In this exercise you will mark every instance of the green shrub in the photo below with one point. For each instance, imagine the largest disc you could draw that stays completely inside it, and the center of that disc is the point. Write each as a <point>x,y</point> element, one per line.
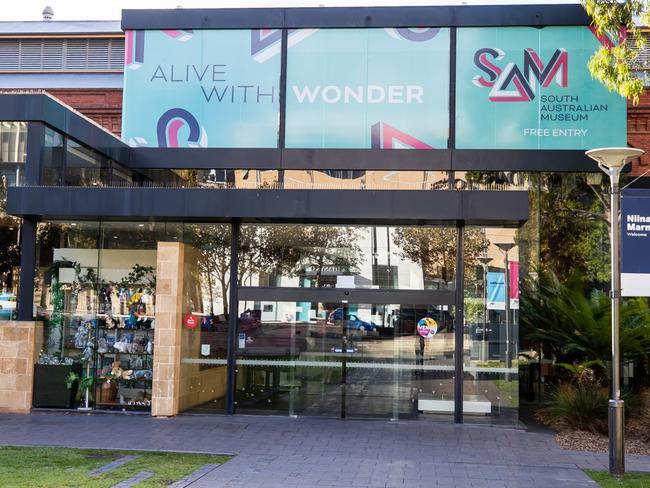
<point>577,406</point>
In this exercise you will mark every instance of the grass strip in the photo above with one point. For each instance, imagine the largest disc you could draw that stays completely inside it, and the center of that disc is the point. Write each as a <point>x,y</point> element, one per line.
<point>55,467</point>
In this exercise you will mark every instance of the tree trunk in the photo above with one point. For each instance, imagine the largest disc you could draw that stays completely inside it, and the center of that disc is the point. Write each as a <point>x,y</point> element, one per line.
<point>210,292</point>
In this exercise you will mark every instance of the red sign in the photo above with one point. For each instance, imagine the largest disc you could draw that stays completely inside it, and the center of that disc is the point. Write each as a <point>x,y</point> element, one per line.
<point>190,321</point>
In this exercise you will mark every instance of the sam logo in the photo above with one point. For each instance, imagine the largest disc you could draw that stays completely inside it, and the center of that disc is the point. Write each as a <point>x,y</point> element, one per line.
<point>514,84</point>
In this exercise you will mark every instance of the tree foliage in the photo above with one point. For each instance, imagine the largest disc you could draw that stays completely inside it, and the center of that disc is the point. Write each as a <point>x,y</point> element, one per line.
<point>434,248</point>
<point>574,230</point>
<point>575,326</point>
<point>615,24</point>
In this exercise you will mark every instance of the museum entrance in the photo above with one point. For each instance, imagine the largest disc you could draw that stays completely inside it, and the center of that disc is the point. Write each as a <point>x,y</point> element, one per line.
<point>342,359</point>
<point>355,322</point>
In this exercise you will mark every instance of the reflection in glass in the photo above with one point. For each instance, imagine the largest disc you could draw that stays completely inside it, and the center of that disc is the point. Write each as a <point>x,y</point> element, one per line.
<point>206,283</point>
<point>491,381</point>
<point>84,167</point>
<point>321,256</point>
<point>52,162</point>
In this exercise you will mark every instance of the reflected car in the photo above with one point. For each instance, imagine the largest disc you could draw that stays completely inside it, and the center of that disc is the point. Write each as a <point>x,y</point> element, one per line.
<point>354,322</point>
<point>8,306</point>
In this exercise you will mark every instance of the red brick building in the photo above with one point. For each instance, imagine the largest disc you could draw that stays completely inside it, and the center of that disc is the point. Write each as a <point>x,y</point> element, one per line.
<point>638,132</point>
<point>79,62</point>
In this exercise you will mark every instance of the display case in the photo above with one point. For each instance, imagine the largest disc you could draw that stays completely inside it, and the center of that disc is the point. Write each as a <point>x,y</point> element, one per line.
<point>124,345</point>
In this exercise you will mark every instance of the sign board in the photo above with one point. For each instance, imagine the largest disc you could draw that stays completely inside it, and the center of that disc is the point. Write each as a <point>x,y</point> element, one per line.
<point>635,243</point>
<point>190,321</point>
<point>202,88</point>
<point>516,88</point>
<point>530,88</point>
<point>368,88</point>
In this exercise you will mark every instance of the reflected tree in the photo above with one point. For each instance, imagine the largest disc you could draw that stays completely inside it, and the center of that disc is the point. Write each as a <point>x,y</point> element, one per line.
<point>434,248</point>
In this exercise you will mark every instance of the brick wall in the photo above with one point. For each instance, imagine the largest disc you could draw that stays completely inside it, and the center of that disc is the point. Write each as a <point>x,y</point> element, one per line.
<point>104,106</point>
<point>638,132</point>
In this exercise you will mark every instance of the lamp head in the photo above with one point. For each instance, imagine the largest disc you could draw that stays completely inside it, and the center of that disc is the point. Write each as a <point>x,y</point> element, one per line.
<point>484,259</point>
<point>614,157</point>
<point>505,246</point>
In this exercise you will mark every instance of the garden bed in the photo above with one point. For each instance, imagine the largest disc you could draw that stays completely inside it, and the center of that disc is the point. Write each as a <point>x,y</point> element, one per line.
<point>637,439</point>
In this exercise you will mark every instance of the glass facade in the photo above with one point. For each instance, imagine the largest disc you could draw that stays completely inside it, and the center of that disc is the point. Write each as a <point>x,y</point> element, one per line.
<point>95,292</point>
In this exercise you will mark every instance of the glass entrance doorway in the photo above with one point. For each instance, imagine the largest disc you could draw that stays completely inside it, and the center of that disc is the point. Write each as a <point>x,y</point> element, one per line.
<point>345,359</point>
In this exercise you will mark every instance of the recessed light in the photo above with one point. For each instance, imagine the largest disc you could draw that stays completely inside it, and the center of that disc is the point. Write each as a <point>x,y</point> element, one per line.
<point>114,237</point>
<point>140,225</point>
<point>73,224</point>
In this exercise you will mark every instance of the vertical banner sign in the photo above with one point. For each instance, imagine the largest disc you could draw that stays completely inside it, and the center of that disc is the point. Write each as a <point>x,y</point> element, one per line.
<point>203,88</point>
<point>496,290</point>
<point>530,88</point>
<point>514,284</point>
<point>635,243</point>
<point>368,88</point>
<point>496,287</point>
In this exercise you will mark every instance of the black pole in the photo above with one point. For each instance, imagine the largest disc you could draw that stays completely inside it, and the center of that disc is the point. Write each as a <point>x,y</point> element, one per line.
<point>233,313</point>
<point>27,269</point>
<point>451,142</point>
<point>459,325</point>
<point>284,46</point>
<point>344,353</point>
<point>32,177</point>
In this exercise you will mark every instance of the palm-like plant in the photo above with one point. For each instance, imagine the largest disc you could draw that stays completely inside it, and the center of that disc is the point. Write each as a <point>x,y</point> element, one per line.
<point>575,326</point>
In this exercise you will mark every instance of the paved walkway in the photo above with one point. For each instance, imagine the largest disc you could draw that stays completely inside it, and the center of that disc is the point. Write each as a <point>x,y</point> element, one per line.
<point>307,452</point>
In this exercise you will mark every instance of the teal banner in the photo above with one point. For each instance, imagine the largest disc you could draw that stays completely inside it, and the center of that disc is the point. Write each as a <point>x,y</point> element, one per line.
<point>530,88</point>
<point>368,88</point>
<point>203,88</point>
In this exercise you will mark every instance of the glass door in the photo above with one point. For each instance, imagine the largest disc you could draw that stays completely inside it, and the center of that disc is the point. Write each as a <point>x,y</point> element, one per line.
<point>345,359</point>
<point>399,361</point>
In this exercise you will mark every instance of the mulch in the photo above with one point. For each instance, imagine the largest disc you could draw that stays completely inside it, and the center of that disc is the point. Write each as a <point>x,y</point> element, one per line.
<point>637,439</point>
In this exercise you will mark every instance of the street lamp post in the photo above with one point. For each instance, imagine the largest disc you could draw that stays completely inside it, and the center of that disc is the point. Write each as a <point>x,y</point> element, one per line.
<point>505,247</point>
<point>612,160</point>
<point>485,348</point>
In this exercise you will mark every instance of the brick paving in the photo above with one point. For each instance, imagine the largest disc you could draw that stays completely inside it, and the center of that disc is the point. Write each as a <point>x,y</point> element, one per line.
<point>310,452</point>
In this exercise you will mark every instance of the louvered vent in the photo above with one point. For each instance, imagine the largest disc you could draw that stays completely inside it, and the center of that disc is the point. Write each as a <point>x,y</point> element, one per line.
<point>61,54</point>
<point>642,61</point>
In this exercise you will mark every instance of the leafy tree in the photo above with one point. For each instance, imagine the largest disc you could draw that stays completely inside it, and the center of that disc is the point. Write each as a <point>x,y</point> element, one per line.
<point>615,22</point>
<point>434,248</point>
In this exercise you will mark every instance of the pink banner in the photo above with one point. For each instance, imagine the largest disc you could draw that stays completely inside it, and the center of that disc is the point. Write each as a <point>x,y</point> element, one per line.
<point>514,279</point>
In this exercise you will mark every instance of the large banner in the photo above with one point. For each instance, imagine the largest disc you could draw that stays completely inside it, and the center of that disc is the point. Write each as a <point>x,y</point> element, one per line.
<point>635,243</point>
<point>202,88</point>
<point>530,88</point>
<point>368,88</point>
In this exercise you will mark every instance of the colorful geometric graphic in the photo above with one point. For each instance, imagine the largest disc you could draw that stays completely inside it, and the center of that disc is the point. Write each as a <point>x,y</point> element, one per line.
<point>172,121</point>
<point>267,43</point>
<point>179,35</point>
<point>384,136</point>
<point>415,34</point>
<point>134,49</point>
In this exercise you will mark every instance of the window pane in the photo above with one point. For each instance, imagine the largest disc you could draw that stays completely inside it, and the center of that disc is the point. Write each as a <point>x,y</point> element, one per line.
<point>328,256</point>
